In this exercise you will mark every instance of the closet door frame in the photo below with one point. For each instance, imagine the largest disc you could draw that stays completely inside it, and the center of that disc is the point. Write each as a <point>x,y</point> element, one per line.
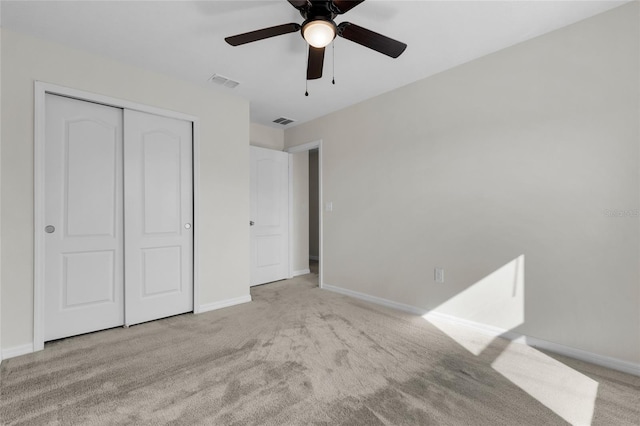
<point>40,91</point>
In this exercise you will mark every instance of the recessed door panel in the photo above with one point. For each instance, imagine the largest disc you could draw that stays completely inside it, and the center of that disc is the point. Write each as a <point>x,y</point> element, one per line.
<point>161,281</point>
<point>161,186</point>
<point>91,174</point>
<point>78,291</point>
<point>268,250</point>
<point>83,240</point>
<point>268,208</point>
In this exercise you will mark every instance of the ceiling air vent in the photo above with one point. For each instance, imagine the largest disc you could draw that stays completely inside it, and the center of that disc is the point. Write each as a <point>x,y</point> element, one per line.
<point>221,80</point>
<point>283,120</point>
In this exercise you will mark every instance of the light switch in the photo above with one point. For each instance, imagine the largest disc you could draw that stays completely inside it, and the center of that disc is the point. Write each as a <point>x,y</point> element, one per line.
<point>328,207</point>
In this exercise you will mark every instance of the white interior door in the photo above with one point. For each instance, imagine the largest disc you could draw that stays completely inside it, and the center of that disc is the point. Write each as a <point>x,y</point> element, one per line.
<point>269,215</point>
<point>83,212</point>
<point>159,217</point>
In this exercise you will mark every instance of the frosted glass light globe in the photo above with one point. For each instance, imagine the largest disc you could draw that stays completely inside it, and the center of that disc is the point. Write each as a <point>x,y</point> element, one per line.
<point>319,33</point>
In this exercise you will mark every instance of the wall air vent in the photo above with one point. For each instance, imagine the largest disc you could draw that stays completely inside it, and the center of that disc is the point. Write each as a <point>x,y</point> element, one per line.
<point>283,120</point>
<point>221,80</point>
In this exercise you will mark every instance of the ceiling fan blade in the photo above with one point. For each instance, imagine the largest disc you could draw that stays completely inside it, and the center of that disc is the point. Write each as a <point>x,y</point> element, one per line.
<point>344,6</point>
<point>315,63</point>
<point>252,36</point>
<point>298,4</point>
<point>370,39</point>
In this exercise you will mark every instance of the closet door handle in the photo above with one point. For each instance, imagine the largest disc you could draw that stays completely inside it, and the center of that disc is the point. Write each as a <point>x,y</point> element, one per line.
<point>187,226</point>
<point>49,229</point>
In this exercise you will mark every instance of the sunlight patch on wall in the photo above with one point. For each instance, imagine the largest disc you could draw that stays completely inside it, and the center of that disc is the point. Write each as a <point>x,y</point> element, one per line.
<point>496,302</point>
<point>477,316</point>
<point>566,392</point>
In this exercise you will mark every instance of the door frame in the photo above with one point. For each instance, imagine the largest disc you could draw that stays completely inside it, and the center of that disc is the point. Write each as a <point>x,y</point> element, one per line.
<point>41,89</point>
<point>293,150</point>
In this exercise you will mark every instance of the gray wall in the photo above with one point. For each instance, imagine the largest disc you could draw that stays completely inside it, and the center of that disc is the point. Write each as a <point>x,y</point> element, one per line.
<point>266,137</point>
<point>300,210</point>
<point>314,225</point>
<point>516,157</point>
<point>224,167</point>
<point>0,196</point>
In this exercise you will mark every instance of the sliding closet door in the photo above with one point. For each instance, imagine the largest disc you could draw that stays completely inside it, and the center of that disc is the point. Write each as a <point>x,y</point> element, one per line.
<point>83,238</point>
<point>159,217</point>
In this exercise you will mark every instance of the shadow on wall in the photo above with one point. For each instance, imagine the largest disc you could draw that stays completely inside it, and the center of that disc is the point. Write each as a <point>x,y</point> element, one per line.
<point>498,301</point>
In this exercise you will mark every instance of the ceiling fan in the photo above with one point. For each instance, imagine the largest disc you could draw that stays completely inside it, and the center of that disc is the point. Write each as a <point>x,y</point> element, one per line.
<point>319,29</point>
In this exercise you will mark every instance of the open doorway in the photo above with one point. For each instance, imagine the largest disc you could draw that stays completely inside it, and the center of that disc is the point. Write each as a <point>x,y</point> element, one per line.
<point>313,151</point>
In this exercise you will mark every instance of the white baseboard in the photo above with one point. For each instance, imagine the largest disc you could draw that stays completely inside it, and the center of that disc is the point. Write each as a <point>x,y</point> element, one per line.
<point>487,329</point>
<point>301,272</point>
<point>373,299</point>
<point>593,358</point>
<point>314,258</point>
<point>17,351</point>
<point>579,354</point>
<point>27,349</point>
<point>223,304</point>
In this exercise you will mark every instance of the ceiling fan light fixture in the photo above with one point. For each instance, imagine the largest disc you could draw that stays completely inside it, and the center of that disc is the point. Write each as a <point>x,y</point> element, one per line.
<point>319,33</point>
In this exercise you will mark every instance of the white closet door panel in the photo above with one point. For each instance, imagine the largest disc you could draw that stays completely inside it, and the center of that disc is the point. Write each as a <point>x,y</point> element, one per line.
<point>83,208</point>
<point>269,203</point>
<point>159,217</point>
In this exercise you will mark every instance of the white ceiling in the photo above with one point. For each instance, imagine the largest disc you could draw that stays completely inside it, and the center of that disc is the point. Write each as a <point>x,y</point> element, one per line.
<point>186,39</point>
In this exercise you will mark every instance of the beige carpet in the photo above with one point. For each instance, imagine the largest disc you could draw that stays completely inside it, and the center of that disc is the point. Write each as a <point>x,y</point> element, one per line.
<point>299,355</point>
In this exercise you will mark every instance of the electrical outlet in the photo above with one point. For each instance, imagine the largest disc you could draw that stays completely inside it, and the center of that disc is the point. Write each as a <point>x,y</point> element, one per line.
<point>438,275</point>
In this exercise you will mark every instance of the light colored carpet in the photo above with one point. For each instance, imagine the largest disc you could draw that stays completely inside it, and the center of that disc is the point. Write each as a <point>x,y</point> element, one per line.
<point>299,355</point>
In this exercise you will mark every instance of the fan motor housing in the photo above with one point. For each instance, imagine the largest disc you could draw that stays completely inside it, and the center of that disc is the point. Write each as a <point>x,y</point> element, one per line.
<point>319,10</point>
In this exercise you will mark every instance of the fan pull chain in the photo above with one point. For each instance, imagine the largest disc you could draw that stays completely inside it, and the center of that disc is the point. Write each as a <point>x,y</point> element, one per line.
<point>306,80</point>
<point>333,61</point>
